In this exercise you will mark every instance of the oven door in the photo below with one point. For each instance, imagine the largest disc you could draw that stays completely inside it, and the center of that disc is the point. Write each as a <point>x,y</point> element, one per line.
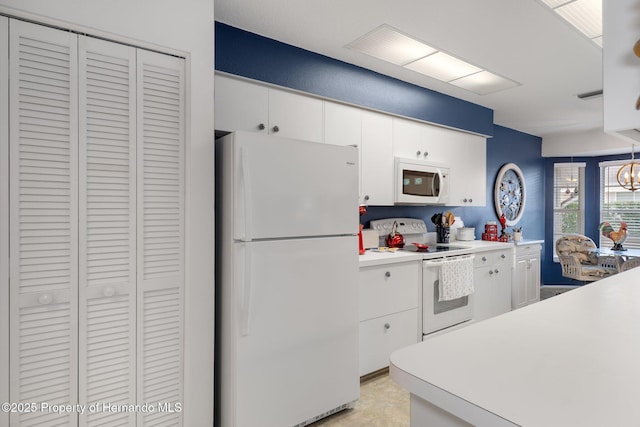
<point>438,315</point>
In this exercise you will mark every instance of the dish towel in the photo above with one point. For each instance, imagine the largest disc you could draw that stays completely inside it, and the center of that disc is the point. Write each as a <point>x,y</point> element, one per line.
<point>456,278</point>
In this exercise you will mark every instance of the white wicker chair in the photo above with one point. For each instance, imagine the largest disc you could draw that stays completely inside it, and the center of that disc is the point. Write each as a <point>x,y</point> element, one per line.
<point>630,263</point>
<point>579,262</point>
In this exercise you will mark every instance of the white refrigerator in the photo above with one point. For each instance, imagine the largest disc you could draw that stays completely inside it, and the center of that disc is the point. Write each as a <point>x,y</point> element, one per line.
<point>286,280</point>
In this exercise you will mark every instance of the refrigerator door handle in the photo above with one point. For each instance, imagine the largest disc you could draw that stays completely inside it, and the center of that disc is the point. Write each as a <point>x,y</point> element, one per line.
<point>243,273</point>
<point>244,199</point>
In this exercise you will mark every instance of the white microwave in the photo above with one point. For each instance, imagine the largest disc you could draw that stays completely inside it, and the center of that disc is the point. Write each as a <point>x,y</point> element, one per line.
<point>420,183</point>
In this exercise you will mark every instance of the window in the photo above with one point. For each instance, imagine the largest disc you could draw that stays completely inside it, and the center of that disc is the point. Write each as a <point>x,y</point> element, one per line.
<point>568,200</point>
<point>618,205</point>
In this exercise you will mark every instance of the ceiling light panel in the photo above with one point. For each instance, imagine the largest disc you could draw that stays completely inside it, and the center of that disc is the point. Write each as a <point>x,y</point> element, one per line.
<point>443,67</point>
<point>484,82</point>
<point>389,44</point>
<point>585,15</point>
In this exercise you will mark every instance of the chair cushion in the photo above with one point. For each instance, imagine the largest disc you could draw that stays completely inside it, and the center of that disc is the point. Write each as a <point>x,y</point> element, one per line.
<point>596,271</point>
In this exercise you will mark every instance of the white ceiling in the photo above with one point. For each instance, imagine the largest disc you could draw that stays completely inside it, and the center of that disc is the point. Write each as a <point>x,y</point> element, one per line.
<point>522,40</point>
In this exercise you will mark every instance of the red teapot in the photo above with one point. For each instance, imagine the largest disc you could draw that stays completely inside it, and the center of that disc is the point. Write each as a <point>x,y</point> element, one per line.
<point>395,239</point>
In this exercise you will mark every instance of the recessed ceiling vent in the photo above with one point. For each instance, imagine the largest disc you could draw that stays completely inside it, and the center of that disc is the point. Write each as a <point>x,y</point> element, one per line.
<point>590,95</point>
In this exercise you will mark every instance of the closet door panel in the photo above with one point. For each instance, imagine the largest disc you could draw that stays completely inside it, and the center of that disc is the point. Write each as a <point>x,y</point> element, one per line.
<point>43,220</point>
<point>4,216</point>
<point>160,84</point>
<point>107,229</point>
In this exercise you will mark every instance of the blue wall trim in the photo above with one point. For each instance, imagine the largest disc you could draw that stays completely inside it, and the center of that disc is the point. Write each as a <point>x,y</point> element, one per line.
<point>249,55</point>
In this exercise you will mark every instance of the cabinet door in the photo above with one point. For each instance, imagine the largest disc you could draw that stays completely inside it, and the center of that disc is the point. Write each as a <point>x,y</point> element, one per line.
<point>44,215</point>
<point>414,140</point>
<point>532,289</point>
<point>467,186</point>
<point>520,279</point>
<point>343,126</point>
<point>4,216</point>
<point>492,283</point>
<point>240,105</point>
<point>382,336</point>
<point>295,116</point>
<point>107,229</point>
<point>377,159</point>
<point>160,229</point>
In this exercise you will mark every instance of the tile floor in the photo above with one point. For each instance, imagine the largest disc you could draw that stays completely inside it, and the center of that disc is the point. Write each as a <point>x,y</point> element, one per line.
<point>382,403</point>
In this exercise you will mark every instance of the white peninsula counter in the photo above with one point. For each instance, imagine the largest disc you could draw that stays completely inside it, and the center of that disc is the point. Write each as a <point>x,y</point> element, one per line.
<point>571,360</point>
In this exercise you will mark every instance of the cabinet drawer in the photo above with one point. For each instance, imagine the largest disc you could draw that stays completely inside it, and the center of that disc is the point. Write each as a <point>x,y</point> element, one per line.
<point>382,336</point>
<point>528,250</point>
<point>493,257</point>
<point>389,289</point>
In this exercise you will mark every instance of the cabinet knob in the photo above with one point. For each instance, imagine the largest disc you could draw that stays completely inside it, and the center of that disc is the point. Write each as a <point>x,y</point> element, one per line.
<point>484,259</point>
<point>387,326</point>
<point>503,256</point>
<point>387,274</point>
<point>45,299</point>
<point>425,154</point>
<point>275,129</point>
<point>366,197</point>
<point>418,153</point>
<point>470,200</point>
<point>261,126</point>
<point>464,200</point>
<point>496,271</point>
<point>490,272</point>
<point>109,291</point>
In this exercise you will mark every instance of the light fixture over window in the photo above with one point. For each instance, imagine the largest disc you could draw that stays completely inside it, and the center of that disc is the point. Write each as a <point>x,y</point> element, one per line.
<point>391,45</point>
<point>629,174</point>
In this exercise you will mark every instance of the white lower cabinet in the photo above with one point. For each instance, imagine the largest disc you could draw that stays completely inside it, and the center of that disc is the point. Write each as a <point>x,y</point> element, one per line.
<point>96,228</point>
<point>526,278</point>
<point>492,283</point>
<point>389,299</point>
<point>381,336</point>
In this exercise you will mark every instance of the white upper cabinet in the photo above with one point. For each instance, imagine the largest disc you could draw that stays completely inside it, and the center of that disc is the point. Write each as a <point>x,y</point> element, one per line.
<point>242,105</point>
<point>463,153</point>
<point>377,159</point>
<point>343,126</point>
<point>295,116</point>
<point>415,140</point>
<point>468,169</point>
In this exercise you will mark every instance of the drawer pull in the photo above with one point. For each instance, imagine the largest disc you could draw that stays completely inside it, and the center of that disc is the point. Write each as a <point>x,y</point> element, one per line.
<point>387,274</point>
<point>387,326</point>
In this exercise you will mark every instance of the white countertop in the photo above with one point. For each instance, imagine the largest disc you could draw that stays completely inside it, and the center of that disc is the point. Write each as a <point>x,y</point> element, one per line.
<point>372,257</point>
<point>570,360</point>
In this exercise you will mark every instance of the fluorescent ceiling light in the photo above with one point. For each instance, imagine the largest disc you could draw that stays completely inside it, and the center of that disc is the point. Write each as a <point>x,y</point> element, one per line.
<point>389,44</point>
<point>585,15</point>
<point>484,82</point>
<point>443,67</point>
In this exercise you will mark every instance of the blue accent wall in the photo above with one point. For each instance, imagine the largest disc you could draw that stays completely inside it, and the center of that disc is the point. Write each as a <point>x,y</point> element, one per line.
<point>245,54</point>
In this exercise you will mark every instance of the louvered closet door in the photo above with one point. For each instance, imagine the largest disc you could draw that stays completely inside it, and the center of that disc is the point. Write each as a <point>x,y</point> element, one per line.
<point>4,216</point>
<point>160,85</point>
<point>107,230</point>
<point>44,214</point>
